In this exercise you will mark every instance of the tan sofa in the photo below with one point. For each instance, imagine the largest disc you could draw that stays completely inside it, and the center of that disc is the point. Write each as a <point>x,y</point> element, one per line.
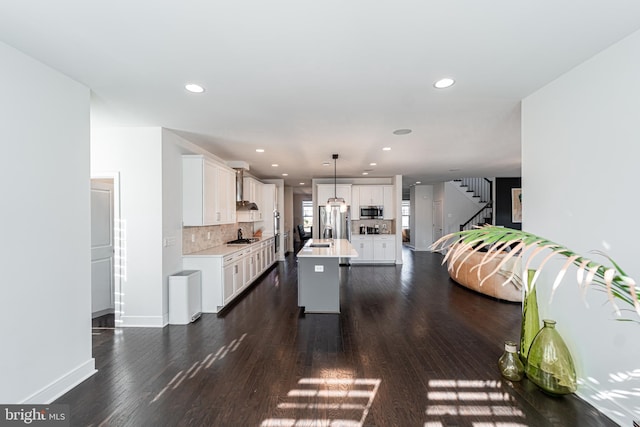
<point>511,291</point>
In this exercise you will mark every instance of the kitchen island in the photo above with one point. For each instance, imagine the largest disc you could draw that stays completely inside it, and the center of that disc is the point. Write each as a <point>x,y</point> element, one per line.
<point>319,274</point>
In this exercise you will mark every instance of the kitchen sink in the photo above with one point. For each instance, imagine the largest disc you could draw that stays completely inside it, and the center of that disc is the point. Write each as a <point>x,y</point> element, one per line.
<point>320,245</point>
<point>247,241</point>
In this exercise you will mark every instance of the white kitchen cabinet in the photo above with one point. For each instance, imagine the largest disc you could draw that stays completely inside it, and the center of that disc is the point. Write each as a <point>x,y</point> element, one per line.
<point>327,191</point>
<point>227,282</point>
<point>374,248</point>
<point>355,202</point>
<point>384,248</point>
<point>226,195</point>
<point>207,192</point>
<point>363,244</point>
<point>226,277</point>
<point>389,206</point>
<point>371,195</point>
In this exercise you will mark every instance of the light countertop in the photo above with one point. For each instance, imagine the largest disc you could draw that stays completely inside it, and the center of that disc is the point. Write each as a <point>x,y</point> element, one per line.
<point>339,248</point>
<point>224,250</point>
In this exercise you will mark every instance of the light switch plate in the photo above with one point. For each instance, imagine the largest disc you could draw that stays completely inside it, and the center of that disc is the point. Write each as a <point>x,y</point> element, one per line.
<point>318,268</point>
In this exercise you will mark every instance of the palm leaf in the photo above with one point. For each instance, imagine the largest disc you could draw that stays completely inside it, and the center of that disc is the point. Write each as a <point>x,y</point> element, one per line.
<point>610,279</point>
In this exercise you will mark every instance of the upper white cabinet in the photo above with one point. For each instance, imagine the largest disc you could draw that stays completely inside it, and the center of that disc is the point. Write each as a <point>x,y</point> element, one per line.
<point>327,191</point>
<point>268,208</point>
<point>207,192</point>
<point>389,211</point>
<point>373,195</point>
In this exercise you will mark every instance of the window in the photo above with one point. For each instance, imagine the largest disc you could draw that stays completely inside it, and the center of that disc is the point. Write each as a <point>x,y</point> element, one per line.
<point>405,214</point>
<point>307,215</point>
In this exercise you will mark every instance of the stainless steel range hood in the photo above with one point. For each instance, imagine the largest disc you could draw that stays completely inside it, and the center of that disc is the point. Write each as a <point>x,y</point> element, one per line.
<point>242,205</point>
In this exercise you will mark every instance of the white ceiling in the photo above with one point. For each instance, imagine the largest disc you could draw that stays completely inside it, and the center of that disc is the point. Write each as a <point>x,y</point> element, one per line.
<point>304,80</point>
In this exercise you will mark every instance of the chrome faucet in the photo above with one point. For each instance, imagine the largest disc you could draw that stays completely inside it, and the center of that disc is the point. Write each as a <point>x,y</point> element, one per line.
<point>239,233</point>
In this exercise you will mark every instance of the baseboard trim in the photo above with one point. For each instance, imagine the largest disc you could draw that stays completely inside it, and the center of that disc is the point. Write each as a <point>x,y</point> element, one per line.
<point>57,388</point>
<point>102,312</point>
<point>143,322</point>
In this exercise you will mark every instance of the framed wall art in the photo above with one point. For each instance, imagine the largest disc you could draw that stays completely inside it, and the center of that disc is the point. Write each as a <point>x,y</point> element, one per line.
<point>516,205</point>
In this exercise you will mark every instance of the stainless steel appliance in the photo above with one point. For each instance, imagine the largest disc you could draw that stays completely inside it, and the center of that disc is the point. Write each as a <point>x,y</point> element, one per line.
<point>336,222</point>
<point>276,230</point>
<point>371,212</point>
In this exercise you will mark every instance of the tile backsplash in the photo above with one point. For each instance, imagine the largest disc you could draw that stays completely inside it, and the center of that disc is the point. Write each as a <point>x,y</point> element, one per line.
<point>196,239</point>
<point>381,223</point>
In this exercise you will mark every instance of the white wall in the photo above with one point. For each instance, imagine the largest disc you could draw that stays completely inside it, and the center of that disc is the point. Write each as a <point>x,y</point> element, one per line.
<point>46,276</point>
<point>172,150</point>
<point>581,145</point>
<point>457,208</point>
<point>136,153</point>
<point>421,217</point>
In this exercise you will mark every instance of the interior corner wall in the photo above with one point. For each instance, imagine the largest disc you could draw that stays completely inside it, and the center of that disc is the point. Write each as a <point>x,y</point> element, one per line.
<point>45,187</point>
<point>580,150</point>
<point>136,153</point>
<point>502,204</point>
<point>288,224</point>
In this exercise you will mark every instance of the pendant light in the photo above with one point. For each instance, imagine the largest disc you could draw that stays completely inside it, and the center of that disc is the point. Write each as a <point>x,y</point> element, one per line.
<point>336,201</point>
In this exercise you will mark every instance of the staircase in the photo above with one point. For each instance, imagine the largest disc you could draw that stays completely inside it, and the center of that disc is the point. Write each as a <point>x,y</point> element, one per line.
<point>481,191</point>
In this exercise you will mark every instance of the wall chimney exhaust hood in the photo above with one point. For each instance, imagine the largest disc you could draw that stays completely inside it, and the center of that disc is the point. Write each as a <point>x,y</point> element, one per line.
<point>242,205</point>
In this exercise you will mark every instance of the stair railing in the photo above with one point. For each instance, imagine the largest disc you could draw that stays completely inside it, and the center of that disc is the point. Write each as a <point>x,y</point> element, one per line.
<point>482,188</point>
<point>483,216</point>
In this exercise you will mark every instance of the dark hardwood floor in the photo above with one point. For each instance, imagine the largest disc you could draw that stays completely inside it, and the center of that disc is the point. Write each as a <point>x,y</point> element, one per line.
<point>410,348</point>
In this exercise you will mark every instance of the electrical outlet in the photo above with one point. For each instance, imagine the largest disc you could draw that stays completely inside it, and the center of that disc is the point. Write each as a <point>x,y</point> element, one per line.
<point>193,238</point>
<point>208,235</point>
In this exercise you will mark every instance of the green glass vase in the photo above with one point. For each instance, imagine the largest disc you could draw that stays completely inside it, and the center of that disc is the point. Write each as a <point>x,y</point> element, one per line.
<point>509,363</point>
<point>549,363</point>
<point>530,318</point>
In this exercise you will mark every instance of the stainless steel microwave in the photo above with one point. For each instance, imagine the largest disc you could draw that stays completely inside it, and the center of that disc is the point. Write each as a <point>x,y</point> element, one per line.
<point>371,212</point>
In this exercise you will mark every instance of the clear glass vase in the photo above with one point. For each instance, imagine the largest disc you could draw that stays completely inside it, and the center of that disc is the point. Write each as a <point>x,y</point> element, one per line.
<point>549,363</point>
<point>530,318</point>
<point>510,365</point>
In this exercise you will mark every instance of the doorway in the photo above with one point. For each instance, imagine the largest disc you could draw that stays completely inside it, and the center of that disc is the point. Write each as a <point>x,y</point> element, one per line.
<point>438,220</point>
<point>106,248</point>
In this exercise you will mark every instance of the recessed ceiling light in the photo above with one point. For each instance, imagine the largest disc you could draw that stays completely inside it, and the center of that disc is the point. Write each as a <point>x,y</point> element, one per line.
<point>444,83</point>
<point>402,131</point>
<point>386,149</point>
<point>192,87</point>
<point>454,170</point>
<point>259,150</point>
<point>326,163</point>
<point>418,182</point>
<point>275,165</point>
<point>285,174</point>
<point>365,173</point>
<point>373,164</point>
<point>302,183</point>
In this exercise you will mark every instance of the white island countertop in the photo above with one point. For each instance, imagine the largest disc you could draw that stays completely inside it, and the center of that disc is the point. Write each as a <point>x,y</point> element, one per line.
<point>327,248</point>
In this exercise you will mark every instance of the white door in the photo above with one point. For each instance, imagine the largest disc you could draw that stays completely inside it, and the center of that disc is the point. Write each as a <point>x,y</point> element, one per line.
<point>102,267</point>
<point>438,220</point>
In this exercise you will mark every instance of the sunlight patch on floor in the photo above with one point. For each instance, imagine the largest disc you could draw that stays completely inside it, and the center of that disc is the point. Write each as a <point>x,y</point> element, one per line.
<point>327,402</point>
<point>452,402</point>
<point>206,363</point>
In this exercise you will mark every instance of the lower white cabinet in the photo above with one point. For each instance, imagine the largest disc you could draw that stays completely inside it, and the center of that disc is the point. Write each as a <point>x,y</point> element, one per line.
<point>374,248</point>
<point>363,244</point>
<point>224,277</point>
